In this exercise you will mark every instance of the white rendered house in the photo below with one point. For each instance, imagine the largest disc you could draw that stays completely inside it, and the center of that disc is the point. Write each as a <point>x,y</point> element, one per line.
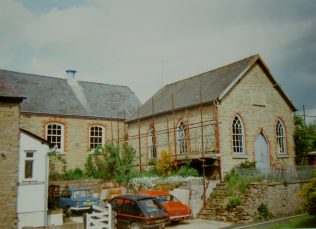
<point>32,181</point>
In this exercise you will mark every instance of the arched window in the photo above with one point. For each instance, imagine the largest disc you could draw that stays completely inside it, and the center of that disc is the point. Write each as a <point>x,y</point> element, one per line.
<point>181,138</point>
<point>151,143</point>
<point>281,138</point>
<point>238,136</point>
<point>96,137</point>
<point>55,135</point>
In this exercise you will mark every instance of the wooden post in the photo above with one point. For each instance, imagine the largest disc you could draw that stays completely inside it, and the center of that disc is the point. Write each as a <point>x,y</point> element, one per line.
<point>174,135</point>
<point>139,146</point>
<point>188,134</point>
<point>202,143</point>
<point>118,133</point>
<point>111,129</point>
<point>168,137</point>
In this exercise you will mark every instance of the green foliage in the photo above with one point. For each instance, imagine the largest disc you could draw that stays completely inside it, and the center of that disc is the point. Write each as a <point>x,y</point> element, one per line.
<point>57,165</point>
<point>264,212</point>
<point>111,161</point>
<point>187,170</point>
<point>239,178</point>
<point>233,202</point>
<point>73,174</point>
<point>165,164</point>
<point>305,139</point>
<point>308,192</point>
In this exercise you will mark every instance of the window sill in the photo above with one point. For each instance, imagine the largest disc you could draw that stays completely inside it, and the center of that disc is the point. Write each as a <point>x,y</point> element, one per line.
<point>283,155</point>
<point>240,156</point>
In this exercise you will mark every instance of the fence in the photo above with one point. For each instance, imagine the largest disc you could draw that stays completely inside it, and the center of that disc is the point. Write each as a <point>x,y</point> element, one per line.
<point>299,172</point>
<point>100,218</point>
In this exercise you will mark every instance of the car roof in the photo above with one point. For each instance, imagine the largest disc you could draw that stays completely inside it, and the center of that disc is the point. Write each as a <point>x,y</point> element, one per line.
<point>77,189</point>
<point>153,193</point>
<point>133,197</point>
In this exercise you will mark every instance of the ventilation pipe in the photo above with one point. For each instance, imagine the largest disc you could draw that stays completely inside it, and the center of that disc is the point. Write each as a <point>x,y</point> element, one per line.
<point>71,74</point>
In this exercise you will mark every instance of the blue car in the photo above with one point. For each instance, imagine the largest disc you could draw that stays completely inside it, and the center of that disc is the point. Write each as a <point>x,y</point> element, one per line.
<point>77,199</point>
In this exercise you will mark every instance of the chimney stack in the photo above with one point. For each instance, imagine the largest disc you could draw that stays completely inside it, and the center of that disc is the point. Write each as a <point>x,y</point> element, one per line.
<point>71,74</point>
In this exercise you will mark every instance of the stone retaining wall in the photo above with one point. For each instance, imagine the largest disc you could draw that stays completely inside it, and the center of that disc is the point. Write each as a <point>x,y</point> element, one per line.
<point>281,199</point>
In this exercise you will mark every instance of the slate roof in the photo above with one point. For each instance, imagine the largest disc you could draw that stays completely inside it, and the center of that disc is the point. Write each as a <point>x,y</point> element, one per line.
<point>68,97</point>
<point>214,86</point>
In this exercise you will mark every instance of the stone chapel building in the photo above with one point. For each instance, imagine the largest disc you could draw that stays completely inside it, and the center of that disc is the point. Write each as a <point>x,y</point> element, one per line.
<point>218,119</point>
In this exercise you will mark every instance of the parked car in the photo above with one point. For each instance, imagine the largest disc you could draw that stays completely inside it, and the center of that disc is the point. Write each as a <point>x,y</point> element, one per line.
<point>135,212</point>
<point>77,199</point>
<point>175,208</point>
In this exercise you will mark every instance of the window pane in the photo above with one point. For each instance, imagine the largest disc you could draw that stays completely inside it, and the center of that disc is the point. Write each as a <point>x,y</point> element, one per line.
<point>28,169</point>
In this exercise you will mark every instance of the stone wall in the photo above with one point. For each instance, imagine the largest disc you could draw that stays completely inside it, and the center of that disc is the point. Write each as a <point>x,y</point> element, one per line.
<point>9,149</point>
<point>95,185</point>
<point>196,187</point>
<point>76,133</point>
<point>259,104</point>
<point>281,199</point>
<point>165,137</point>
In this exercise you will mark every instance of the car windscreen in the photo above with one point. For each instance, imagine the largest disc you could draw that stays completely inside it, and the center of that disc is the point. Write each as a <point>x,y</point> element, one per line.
<point>81,193</point>
<point>164,198</point>
<point>150,205</point>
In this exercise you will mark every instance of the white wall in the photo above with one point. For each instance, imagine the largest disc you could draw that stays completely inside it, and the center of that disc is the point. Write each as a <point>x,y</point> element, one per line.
<point>32,193</point>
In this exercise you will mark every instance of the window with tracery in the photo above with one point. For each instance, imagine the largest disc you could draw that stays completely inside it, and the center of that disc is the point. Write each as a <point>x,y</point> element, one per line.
<point>281,138</point>
<point>181,138</point>
<point>238,136</point>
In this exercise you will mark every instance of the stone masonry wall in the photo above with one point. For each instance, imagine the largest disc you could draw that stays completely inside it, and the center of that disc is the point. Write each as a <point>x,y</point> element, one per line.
<point>165,137</point>
<point>281,199</point>
<point>256,100</point>
<point>9,149</point>
<point>76,134</point>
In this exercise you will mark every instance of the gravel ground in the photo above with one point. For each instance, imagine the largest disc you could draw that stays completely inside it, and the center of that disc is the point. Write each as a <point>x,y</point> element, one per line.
<point>199,224</point>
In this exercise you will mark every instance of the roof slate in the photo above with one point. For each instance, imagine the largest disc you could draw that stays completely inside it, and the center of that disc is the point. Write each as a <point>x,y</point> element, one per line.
<point>212,85</point>
<point>56,96</point>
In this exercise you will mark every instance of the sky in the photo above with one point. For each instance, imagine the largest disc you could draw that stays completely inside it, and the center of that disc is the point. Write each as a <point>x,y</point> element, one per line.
<point>145,44</point>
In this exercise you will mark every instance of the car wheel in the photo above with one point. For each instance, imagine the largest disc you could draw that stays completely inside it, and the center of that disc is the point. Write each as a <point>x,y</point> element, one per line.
<point>135,226</point>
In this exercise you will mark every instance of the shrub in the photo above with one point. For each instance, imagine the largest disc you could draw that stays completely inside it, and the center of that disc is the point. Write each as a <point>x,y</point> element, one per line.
<point>57,165</point>
<point>264,212</point>
<point>308,192</point>
<point>187,170</point>
<point>165,164</point>
<point>111,161</point>
<point>233,202</point>
<point>73,174</point>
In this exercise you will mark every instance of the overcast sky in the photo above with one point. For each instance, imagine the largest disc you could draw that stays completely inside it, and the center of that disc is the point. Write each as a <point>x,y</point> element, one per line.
<point>145,44</point>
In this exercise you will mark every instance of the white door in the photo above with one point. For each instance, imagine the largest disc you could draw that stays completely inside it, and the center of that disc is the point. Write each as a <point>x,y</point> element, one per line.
<point>262,154</point>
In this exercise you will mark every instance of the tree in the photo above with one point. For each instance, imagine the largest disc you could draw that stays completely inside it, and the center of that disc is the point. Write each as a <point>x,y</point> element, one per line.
<point>305,139</point>
<point>111,161</point>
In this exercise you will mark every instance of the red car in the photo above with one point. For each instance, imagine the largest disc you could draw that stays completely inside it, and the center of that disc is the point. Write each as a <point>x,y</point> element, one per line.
<point>175,208</point>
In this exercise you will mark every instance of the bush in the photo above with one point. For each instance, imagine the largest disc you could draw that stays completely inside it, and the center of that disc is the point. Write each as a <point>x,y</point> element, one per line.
<point>165,164</point>
<point>73,174</point>
<point>264,212</point>
<point>308,192</point>
<point>111,161</point>
<point>57,165</point>
<point>187,170</point>
<point>233,202</point>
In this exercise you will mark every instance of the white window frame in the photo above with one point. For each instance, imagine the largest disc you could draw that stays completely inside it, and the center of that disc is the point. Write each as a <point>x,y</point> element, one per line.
<point>181,137</point>
<point>280,137</point>
<point>29,157</point>
<point>48,135</point>
<point>96,136</point>
<point>238,136</point>
<point>152,151</point>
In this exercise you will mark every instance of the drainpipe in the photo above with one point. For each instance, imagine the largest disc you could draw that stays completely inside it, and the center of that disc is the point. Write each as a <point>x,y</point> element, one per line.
<point>218,144</point>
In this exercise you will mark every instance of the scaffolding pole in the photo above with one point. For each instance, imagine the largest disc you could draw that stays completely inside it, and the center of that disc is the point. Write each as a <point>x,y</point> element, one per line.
<point>174,134</point>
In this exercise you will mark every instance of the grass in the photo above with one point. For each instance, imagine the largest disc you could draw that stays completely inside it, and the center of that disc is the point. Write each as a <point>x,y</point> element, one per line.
<point>304,221</point>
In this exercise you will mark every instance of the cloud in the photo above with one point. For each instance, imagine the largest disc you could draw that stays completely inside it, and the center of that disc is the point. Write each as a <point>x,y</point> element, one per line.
<point>124,42</point>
